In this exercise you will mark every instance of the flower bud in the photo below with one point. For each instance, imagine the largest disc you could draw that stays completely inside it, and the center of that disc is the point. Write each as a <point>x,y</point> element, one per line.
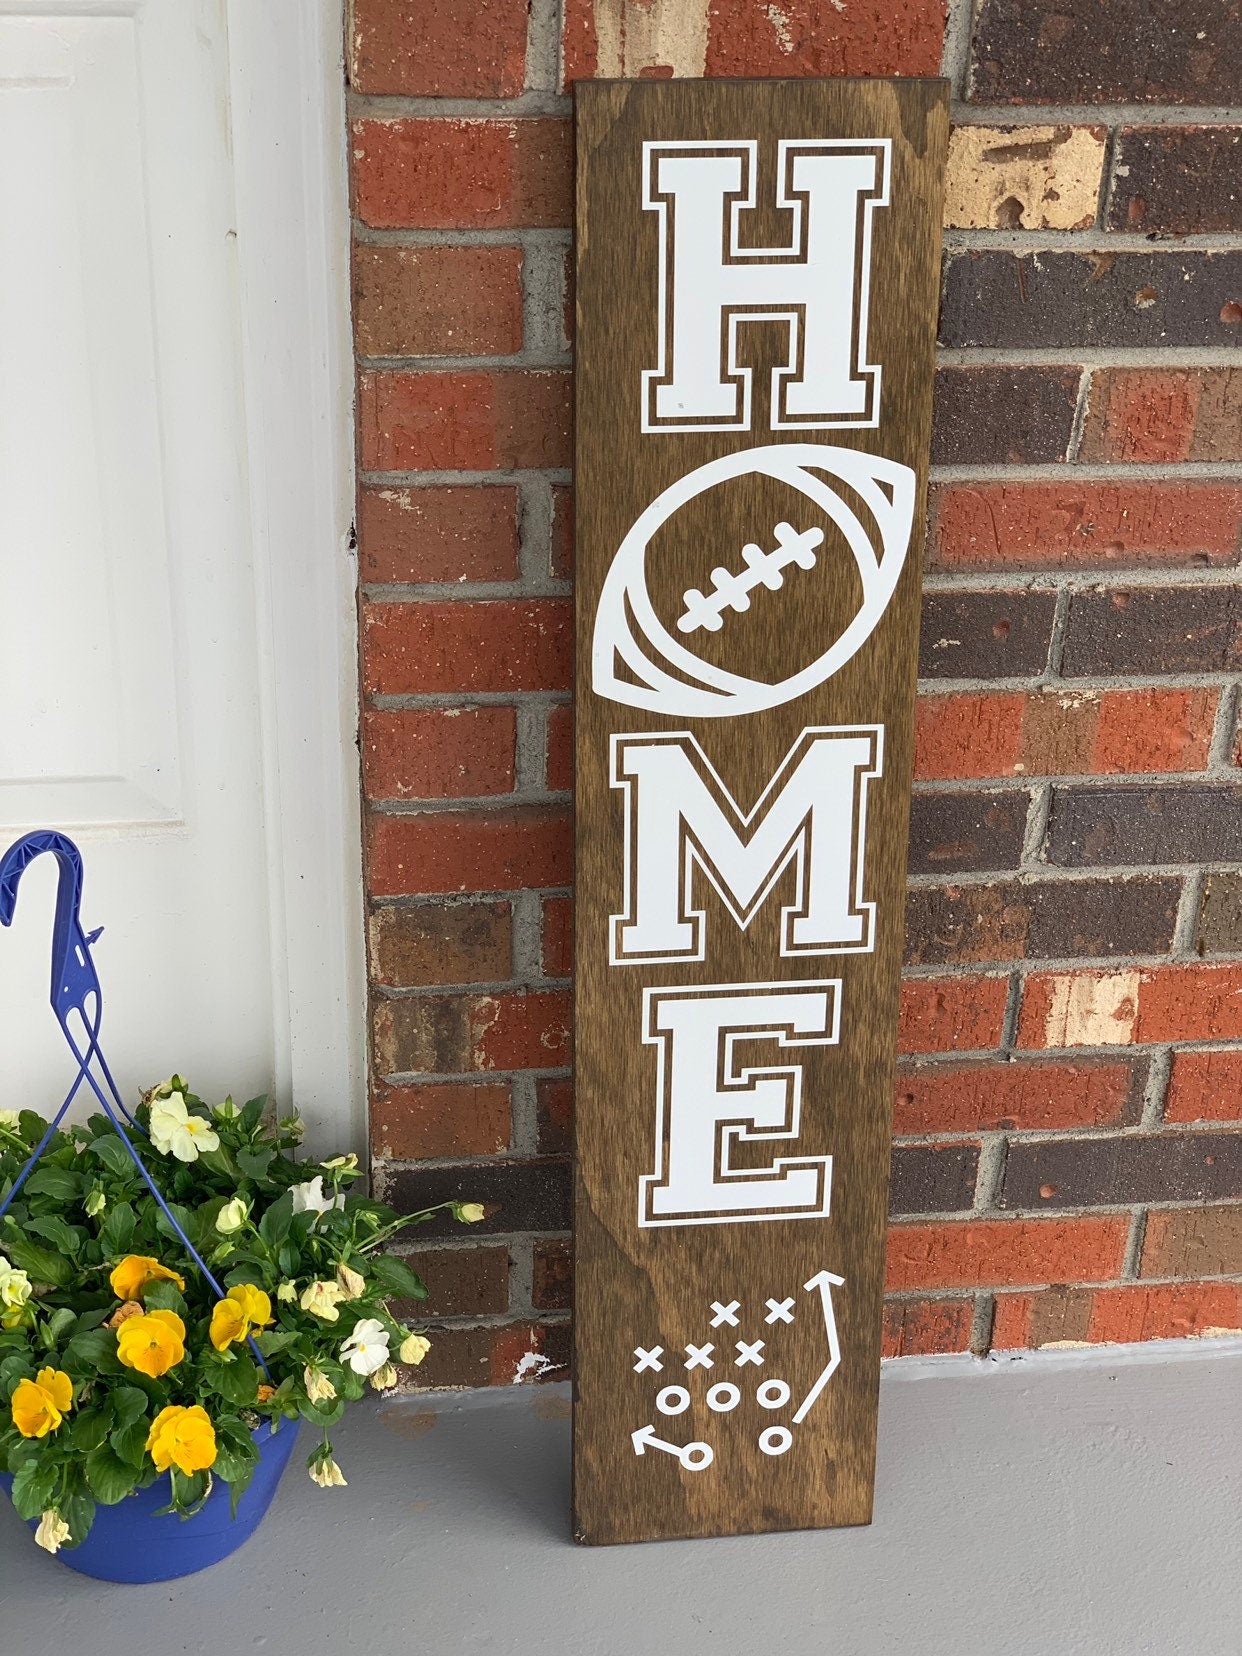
<point>384,1379</point>
<point>232,1216</point>
<point>353,1282</point>
<point>287,1292</point>
<point>470,1212</point>
<point>95,1203</point>
<point>414,1348</point>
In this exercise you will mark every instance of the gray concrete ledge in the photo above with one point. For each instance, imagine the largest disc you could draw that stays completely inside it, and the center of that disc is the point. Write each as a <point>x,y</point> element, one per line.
<point>1061,1504</point>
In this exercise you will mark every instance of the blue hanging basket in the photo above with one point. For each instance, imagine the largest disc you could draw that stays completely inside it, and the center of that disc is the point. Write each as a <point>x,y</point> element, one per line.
<point>132,1541</point>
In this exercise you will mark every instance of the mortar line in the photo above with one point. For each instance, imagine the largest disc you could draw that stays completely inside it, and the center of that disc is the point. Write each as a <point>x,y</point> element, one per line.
<point>1154,1092</point>
<point>1131,1262</point>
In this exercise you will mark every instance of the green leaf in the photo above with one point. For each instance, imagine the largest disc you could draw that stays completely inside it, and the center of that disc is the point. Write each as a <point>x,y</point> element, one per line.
<point>165,1296</point>
<point>90,1428</point>
<point>93,1352</point>
<point>54,1230</point>
<point>129,1403</point>
<point>237,1382</point>
<point>113,1154</point>
<point>275,1223</point>
<point>57,1182</point>
<point>289,1259</point>
<point>322,1414</point>
<point>33,1484</point>
<point>59,1324</point>
<point>78,1510</point>
<point>252,1113</point>
<point>130,1442</point>
<point>110,1478</point>
<point>31,1126</point>
<point>236,1458</point>
<point>271,1341</point>
<point>41,1264</point>
<point>117,1231</point>
<point>396,1277</point>
<point>254,1164</point>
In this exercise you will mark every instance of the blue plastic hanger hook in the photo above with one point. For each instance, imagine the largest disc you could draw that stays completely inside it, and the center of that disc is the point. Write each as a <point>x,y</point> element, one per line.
<point>74,977</point>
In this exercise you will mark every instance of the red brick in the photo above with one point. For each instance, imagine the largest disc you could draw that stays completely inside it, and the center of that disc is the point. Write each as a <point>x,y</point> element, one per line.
<point>1205,1086</point>
<point>1132,1007</point>
<point>437,301</point>
<point>493,420</point>
<point>462,174</point>
<point>1118,1315</point>
<point>453,49</point>
<point>991,1253</point>
<point>425,945</point>
<point>736,38</point>
<point>558,936</point>
<point>465,1034</point>
<point>445,851</point>
<point>519,1353</point>
<point>449,1118</point>
<point>920,1327</point>
<point>438,752</point>
<point>1074,524</point>
<point>561,749</point>
<point>865,37</point>
<point>492,645</point>
<point>555,1114</point>
<point>1162,414</point>
<point>955,1098</point>
<point>562,532</point>
<point>964,1014</point>
<point>962,736</point>
<point>438,534</point>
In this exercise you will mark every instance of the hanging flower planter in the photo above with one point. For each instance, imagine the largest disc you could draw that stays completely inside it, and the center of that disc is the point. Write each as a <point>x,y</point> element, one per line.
<point>177,1292</point>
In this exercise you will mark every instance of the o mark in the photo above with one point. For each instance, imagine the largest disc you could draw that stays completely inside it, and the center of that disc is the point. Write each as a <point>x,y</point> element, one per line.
<point>723,1397</point>
<point>673,1400</point>
<point>773,1394</point>
<point>775,1440</point>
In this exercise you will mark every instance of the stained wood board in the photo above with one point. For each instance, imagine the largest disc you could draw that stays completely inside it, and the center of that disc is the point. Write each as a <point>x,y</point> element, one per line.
<point>756,296</point>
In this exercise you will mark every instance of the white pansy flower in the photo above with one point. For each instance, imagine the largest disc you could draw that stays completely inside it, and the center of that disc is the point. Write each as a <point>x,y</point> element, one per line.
<point>309,1197</point>
<point>318,1387</point>
<point>327,1474</point>
<point>366,1349</point>
<point>353,1282</point>
<point>14,1286</point>
<point>413,1349</point>
<point>232,1216</point>
<point>321,1300</point>
<point>174,1131</point>
<point>52,1532</point>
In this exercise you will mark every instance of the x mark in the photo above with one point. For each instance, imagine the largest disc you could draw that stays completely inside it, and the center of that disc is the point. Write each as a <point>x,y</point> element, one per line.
<point>779,1311</point>
<point>749,1353</point>
<point>648,1359</point>
<point>726,1313</point>
<point>699,1356</point>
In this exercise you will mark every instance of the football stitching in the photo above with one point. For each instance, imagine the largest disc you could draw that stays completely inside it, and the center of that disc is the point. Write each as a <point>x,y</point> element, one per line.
<point>767,569</point>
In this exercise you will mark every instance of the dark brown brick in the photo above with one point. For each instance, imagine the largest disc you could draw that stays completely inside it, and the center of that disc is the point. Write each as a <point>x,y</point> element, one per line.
<point>1193,1242</point>
<point>967,833</point>
<point>1119,826</point>
<point>988,635</point>
<point>490,1356</point>
<point>1070,300</point>
<point>552,1288</point>
<point>1123,1170</point>
<point>1153,630</point>
<point>1039,920</point>
<point>460,1282</point>
<point>1178,181</point>
<point>933,1178</point>
<point>982,416</point>
<point>1107,51</point>
<point>437,943</point>
<point>518,1196</point>
<point>1219,927</point>
<point>554,1107</point>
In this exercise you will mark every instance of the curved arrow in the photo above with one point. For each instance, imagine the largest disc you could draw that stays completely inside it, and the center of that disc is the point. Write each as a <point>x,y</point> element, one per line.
<point>693,1456</point>
<point>825,1282</point>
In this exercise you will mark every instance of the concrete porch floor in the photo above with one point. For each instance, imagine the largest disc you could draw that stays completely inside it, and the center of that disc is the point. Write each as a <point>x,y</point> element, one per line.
<point>1062,1504</point>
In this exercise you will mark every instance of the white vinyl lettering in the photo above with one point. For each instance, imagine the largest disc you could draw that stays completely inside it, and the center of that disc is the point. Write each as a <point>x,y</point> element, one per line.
<point>710,1102</point>
<point>710,283</point>
<point>679,816</point>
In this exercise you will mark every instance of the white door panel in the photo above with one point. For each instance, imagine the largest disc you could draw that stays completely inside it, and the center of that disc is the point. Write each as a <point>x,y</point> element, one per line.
<point>131,679</point>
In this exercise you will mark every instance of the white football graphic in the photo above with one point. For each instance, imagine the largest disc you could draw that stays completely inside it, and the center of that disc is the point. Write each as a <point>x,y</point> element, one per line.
<point>637,659</point>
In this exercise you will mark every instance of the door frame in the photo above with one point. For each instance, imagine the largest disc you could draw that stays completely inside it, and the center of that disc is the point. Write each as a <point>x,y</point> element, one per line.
<point>289,134</point>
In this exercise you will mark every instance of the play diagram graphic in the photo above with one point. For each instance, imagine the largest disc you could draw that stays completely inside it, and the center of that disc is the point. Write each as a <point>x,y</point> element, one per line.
<point>737,1362</point>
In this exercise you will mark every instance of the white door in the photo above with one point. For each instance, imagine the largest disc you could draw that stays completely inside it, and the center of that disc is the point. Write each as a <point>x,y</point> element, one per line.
<point>152,704</point>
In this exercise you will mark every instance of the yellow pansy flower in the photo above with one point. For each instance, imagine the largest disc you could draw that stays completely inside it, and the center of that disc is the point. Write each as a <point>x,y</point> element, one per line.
<point>152,1343</point>
<point>131,1276</point>
<point>39,1405</point>
<point>184,1438</point>
<point>242,1309</point>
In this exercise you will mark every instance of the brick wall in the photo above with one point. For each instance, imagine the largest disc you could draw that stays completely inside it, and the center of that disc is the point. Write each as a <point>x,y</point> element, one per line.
<point>1068,1164</point>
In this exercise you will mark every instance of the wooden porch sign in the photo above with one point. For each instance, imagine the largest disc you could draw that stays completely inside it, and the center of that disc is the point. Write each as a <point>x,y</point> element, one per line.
<point>756,308</point>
